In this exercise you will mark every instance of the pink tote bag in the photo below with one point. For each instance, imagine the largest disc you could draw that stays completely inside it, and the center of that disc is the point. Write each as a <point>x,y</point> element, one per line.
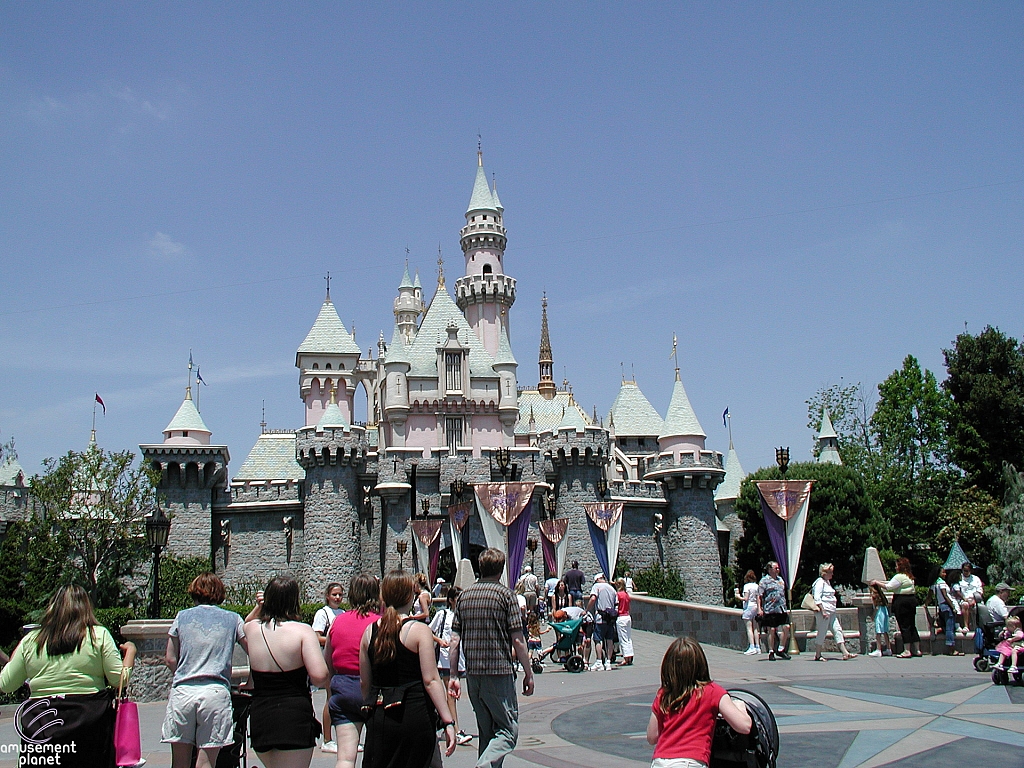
<point>127,736</point>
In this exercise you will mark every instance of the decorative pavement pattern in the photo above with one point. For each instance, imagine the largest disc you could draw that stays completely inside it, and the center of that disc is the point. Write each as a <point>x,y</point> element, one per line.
<point>848,723</point>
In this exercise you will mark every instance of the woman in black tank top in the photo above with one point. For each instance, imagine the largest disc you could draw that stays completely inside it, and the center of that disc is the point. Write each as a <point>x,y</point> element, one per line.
<point>406,702</point>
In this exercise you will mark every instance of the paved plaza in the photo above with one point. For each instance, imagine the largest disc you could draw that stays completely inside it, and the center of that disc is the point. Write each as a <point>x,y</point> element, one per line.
<point>857,714</point>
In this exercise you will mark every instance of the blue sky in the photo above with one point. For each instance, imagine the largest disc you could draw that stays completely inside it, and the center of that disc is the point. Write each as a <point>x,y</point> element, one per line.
<point>803,193</point>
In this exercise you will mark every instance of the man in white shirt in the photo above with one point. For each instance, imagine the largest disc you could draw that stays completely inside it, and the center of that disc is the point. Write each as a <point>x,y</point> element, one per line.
<point>603,604</point>
<point>997,603</point>
<point>969,588</point>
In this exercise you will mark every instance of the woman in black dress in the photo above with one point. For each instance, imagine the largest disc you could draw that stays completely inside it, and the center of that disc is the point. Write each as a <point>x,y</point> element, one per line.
<point>398,675</point>
<point>284,657</point>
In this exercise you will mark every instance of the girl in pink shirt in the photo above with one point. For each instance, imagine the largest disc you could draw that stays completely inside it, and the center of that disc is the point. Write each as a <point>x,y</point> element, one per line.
<point>683,715</point>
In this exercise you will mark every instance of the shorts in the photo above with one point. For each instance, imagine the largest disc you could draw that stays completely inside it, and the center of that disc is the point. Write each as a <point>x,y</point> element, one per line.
<point>774,619</point>
<point>346,702</point>
<point>199,715</point>
<point>603,632</point>
<point>749,614</point>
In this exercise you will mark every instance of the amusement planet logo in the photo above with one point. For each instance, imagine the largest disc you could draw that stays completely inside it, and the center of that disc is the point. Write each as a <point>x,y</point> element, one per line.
<point>33,718</point>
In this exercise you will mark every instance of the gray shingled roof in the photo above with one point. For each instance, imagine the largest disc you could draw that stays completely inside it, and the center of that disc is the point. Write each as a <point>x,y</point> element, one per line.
<point>827,430</point>
<point>734,474</point>
<point>680,421</point>
<point>332,417</point>
<point>633,413</point>
<point>574,419</point>
<point>504,356</point>
<point>483,198</point>
<point>9,471</point>
<point>406,280</point>
<point>422,353</point>
<point>328,334</point>
<point>187,417</point>
<point>547,414</point>
<point>397,351</point>
<point>272,458</point>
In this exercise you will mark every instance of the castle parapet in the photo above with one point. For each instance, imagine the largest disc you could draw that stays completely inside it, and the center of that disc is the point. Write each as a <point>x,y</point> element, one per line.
<point>478,289</point>
<point>331,446</point>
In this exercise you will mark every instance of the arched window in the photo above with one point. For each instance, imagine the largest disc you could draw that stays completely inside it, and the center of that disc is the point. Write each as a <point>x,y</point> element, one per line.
<point>316,366</point>
<point>487,269</point>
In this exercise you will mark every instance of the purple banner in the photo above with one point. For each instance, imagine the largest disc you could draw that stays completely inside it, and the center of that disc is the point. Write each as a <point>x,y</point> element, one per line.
<point>777,536</point>
<point>518,533</point>
<point>550,560</point>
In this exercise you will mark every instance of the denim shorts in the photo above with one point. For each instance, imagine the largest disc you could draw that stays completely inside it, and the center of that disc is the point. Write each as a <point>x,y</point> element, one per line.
<point>346,702</point>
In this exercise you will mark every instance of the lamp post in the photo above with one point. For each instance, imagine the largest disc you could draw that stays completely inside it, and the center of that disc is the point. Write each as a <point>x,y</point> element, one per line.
<point>531,544</point>
<point>551,503</point>
<point>602,486</point>
<point>458,487</point>
<point>158,526</point>
<point>503,456</point>
<point>425,503</point>
<point>782,459</point>
<point>402,546</point>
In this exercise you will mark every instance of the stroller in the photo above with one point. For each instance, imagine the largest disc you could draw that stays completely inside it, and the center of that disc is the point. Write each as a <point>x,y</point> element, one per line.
<point>758,749</point>
<point>566,649</point>
<point>986,638</point>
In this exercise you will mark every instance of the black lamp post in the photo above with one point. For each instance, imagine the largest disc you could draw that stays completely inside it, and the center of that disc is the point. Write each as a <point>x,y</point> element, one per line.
<point>425,503</point>
<point>402,546</point>
<point>531,544</point>
<point>458,487</point>
<point>602,487</point>
<point>503,456</point>
<point>158,526</point>
<point>782,459</point>
<point>551,504</point>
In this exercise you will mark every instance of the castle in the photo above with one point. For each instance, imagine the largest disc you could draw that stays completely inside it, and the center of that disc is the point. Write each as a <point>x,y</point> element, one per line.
<point>336,496</point>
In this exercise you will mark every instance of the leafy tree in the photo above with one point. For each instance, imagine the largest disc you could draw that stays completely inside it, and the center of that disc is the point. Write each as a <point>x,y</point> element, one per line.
<point>850,412</point>
<point>841,522</point>
<point>1008,535</point>
<point>90,507</point>
<point>986,426</point>
<point>967,515</point>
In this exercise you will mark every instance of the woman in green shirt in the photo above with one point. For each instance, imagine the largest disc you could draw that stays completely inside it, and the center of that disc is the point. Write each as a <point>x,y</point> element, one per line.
<point>68,663</point>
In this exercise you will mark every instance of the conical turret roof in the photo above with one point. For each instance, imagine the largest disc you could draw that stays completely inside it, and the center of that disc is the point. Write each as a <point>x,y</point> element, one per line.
<point>187,418</point>
<point>494,194</point>
<point>573,418</point>
<point>633,414</point>
<point>681,421</point>
<point>827,430</point>
<point>504,355</point>
<point>482,198</point>
<point>332,416</point>
<point>422,353</point>
<point>729,490</point>
<point>406,280</point>
<point>328,334</point>
<point>397,351</point>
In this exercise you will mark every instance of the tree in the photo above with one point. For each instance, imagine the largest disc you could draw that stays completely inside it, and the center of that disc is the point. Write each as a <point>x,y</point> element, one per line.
<point>1008,536</point>
<point>986,426</point>
<point>841,522</point>
<point>850,412</point>
<point>91,506</point>
<point>966,517</point>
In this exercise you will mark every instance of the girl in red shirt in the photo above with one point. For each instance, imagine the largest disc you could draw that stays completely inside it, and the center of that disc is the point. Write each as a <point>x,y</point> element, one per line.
<point>683,715</point>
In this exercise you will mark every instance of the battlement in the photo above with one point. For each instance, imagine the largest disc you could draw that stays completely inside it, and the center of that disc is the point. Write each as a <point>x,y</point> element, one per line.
<point>477,289</point>
<point>330,447</point>
<point>487,234</point>
<point>701,469</point>
<point>569,447</point>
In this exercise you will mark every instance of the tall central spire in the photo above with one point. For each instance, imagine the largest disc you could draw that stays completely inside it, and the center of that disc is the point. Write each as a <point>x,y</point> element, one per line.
<point>546,386</point>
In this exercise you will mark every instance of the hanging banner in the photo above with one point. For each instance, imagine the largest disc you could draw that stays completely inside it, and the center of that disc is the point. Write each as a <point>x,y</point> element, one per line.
<point>505,527</point>
<point>554,543</point>
<point>604,514</point>
<point>427,537</point>
<point>504,501</point>
<point>458,514</point>
<point>784,505</point>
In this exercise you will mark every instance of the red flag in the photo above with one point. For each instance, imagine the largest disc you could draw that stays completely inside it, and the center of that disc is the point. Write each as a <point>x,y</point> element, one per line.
<point>100,401</point>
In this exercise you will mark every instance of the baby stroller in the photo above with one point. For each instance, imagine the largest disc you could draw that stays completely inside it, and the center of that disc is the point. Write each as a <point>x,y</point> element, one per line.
<point>566,649</point>
<point>758,749</point>
<point>986,638</point>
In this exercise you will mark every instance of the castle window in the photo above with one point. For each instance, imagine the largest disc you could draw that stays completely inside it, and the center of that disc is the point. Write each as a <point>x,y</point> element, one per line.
<point>184,433</point>
<point>453,371</point>
<point>328,366</point>
<point>453,433</point>
<point>487,269</point>
<point>316,366</point>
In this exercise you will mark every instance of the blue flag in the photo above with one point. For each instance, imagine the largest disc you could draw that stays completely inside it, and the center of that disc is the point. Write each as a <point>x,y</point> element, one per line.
<point>725,415</point>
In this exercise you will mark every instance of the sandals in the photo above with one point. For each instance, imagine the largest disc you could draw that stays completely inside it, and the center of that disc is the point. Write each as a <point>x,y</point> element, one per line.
<point>956,653</point>
<point>820,658</point>
<point>904,655</point>
<point>849,656</point>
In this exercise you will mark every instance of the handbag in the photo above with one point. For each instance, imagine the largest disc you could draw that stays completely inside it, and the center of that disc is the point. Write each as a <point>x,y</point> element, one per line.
<point>127,736</point>
<point>808,603</point>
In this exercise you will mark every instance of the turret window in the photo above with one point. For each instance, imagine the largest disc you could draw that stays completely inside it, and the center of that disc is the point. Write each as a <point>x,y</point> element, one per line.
<point>453,371</point>
<point>487,269</point>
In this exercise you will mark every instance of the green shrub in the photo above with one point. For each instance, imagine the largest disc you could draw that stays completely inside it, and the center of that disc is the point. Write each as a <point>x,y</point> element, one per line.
<point>176,573</point>
<point>306,611</point>
<point>658,581</point>
<point>115,618</point>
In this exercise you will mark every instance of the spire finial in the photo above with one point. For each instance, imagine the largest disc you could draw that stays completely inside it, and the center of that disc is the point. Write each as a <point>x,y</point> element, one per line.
<point>263,418</point>
<point>440,267</point>
<point>334,395</point>
<point>479,150</point>
<point>675,353</point>
<point>327,278</point>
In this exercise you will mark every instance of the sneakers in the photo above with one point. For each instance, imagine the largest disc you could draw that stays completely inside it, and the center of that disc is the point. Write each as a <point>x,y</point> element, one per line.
<point>876,653</point>
<point>751,651</point>
<point>1012,671</point>
<point>782,655</point>
<point>597,666</point>
<point>329,746</point>
<point>887,652</point>
<point>771,655</point>
<point>462,738</point>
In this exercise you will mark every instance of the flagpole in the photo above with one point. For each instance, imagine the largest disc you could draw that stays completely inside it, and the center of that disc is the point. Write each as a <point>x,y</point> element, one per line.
<point>94,420</point>
<point>728,417</point>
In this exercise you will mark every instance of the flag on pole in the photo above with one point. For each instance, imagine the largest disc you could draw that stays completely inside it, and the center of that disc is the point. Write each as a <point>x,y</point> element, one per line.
<point>725,415</point>
<point>199,378</point>
<point>674,345</point>
<point>100,401</point>
<point>190,359</point>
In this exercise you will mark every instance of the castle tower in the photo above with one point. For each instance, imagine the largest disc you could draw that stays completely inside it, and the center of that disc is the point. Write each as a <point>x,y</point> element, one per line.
<point>730,527</point>
<point>546,386</point>
<point>505,366</point>
<point>485,293</point>
<point>828,441</point>
<point>327,358</point>
<point>689,475</point>
<point>395,389</point>
<point>408,306</point>
<point>191,470</point>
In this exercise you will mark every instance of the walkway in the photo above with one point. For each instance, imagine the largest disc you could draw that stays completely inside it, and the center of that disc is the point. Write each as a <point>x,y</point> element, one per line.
<point>872,712</point>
